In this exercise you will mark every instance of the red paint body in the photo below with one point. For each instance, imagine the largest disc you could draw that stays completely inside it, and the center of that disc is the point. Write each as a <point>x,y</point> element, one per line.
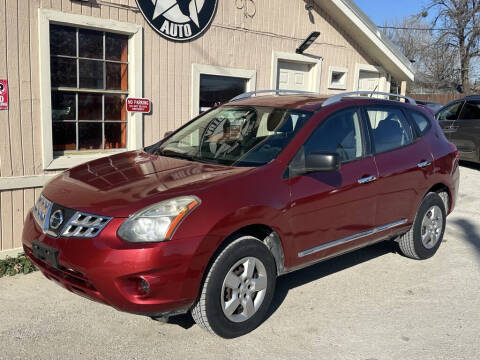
<point>305,211</point>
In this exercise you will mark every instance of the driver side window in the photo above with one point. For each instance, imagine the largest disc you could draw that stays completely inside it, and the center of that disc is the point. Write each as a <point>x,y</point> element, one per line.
<point>341,133</point>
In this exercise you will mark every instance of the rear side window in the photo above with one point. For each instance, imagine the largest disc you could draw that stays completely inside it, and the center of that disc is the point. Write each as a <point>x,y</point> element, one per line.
<point>341,133</point>
<point>390,129</point>
<point>471,111</point>
<point>451,112</point>
<point>422,122</point>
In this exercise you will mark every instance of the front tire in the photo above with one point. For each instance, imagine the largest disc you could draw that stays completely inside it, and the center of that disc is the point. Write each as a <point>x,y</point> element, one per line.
<point>238,289</point>
<point>424,238</point>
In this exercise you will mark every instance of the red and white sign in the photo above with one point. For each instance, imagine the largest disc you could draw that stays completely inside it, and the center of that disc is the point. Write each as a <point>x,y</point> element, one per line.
<point>3,95</point>
<point>138,105</point>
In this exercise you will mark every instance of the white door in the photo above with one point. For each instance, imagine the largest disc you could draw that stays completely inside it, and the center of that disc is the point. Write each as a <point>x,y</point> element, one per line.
<point>294,76</point>
<point>369,81</point>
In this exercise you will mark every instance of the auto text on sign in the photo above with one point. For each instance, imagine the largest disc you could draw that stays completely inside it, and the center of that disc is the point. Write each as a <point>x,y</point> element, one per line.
<point>138,105</point>
<point>3,95</point>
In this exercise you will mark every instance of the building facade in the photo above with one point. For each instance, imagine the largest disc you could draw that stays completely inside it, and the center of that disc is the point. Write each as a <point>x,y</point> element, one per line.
<point>71,65</point>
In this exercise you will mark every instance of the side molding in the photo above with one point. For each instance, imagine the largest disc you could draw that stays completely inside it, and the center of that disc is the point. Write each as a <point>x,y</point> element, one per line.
<point>351,238</point>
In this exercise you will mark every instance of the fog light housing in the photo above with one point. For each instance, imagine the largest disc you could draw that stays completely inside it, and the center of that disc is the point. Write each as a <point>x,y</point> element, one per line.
<point>143,286</point>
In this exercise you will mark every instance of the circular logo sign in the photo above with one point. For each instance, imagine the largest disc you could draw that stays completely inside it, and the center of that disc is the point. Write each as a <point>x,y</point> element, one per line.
<point>56,219</point>
<point>178,20</point>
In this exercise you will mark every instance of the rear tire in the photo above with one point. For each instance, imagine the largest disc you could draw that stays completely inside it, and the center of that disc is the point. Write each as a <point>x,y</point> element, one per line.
<point>238,289</point>
<point>424,238</point>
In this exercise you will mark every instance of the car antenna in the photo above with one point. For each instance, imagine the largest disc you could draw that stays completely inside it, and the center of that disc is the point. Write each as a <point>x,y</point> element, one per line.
<point>374,90</point>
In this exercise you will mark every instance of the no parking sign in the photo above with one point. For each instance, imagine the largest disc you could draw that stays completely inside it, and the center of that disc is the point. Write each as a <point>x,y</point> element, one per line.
<point>3,95</point>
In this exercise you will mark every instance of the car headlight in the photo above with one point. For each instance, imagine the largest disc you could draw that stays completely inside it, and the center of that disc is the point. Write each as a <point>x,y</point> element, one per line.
<point>157,222</point>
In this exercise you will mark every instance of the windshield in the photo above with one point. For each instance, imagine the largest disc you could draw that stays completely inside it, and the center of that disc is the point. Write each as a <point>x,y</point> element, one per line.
<point>235,135</point>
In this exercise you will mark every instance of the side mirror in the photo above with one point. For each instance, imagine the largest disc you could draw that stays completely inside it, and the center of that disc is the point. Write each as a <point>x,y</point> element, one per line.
<point>316,161</point>
<point>167,134</point>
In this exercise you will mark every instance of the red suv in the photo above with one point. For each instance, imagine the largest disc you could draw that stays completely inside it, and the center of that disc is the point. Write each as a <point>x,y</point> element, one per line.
<point>207,219</point>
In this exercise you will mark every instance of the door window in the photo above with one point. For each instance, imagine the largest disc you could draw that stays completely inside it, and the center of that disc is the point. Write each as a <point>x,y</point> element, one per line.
<point>471,111</point>
<point>450,113</point>
<point>390,129</point>
<point>341,134</point>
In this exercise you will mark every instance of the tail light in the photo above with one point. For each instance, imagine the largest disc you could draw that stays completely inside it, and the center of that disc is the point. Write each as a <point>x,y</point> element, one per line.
<point>455,150</point>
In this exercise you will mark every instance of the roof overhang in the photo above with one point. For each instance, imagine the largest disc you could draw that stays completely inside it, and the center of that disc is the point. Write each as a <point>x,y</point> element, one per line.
<point>359,26</point>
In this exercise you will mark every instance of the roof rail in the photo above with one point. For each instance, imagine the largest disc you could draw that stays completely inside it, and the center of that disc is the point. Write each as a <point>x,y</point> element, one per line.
<point>250,94</point>
<point>339,97</point>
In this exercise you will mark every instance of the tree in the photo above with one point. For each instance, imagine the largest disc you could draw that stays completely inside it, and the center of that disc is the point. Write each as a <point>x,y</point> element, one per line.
<point>435,61</point>
<point>460,22</point>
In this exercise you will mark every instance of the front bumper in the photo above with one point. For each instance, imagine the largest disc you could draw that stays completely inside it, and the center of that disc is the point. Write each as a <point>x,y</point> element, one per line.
<point>108,270</point>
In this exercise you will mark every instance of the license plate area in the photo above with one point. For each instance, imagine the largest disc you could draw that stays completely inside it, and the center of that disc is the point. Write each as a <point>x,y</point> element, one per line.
<point>45,253</point>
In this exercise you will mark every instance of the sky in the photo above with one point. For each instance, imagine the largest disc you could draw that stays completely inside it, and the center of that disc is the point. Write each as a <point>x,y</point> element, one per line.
<point>388,10</point>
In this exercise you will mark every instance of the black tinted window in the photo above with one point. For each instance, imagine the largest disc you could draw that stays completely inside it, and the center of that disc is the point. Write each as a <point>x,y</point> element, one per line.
<point>451,112</point>
<point>341,133</point>
<point>390,129</point>
<point>422,122</point>
<point>471,111</point>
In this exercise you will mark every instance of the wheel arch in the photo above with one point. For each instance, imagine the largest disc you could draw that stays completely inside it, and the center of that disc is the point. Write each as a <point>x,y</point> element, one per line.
<point>445,194</point>
<point>264,233</point>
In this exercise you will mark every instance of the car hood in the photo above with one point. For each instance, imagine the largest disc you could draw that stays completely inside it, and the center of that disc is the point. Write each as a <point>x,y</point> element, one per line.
<point>124,183</point>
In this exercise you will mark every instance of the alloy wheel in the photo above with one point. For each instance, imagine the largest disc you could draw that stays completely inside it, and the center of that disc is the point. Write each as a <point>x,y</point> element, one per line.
<point>244,289</point>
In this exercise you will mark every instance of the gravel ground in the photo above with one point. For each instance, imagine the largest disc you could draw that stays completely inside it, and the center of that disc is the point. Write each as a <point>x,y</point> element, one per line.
<point>370,304</point>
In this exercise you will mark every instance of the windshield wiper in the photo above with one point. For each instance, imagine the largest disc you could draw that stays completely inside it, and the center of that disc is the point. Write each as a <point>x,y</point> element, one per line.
<point>175,154</point>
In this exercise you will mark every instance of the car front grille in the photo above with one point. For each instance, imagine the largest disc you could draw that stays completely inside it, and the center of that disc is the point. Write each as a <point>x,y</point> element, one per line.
<point>84,225</point>
<point>56,220</point>
<point>41,211</point>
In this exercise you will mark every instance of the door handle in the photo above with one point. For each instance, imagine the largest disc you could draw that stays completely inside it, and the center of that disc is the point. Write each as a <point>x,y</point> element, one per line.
<point>424,164</point>
<point>367,179</point>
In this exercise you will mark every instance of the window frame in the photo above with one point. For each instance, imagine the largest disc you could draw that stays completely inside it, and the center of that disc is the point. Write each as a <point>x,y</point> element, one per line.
<point>373,150</point>
<point>336,69</point>
<point>199,69</point>
<point>47,17</point>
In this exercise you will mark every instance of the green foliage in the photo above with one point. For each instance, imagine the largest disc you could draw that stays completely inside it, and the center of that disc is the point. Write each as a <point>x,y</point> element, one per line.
<point>18,265</point>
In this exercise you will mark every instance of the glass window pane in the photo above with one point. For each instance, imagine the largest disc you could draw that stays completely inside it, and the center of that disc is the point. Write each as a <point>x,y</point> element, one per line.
<point>117,76</point>
<point>63,106</point>
<point>89,107</point>
<point>63,40</point>
<point>116,47</point>
<point>471,111</point>
<point>115,135</point>
<point>421,121</point>
<point>89,136</point>
<point>390,129</point>
<point>115,107</point>
<point>64,72</point>
<point>91,74</point>
<point>64,136</point>
<point>219,89</point>
<point>451,112</point>
<point>340,134</point>
<point>90,44</point>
